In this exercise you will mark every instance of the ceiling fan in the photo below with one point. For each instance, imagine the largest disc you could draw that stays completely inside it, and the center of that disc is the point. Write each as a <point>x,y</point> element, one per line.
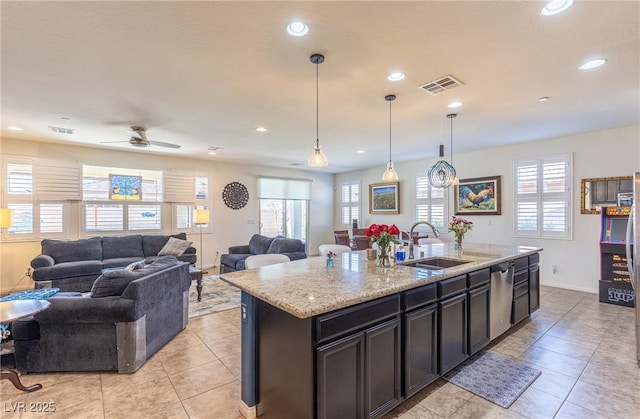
<point>139,139</point>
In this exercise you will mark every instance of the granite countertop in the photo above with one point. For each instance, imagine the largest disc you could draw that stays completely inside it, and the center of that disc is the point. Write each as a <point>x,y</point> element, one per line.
<point>306,287</point>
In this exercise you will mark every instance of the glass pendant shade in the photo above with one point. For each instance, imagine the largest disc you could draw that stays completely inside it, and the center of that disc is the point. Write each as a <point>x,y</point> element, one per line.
<point>442,174</point>
<point>317,157</point>
<point>390,175</point>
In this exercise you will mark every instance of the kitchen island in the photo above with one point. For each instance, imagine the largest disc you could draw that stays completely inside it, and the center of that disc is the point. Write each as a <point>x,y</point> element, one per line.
<point>355,340</point>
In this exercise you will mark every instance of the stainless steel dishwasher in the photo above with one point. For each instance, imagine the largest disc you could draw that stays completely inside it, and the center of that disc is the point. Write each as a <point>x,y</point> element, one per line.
<point>501,298</point>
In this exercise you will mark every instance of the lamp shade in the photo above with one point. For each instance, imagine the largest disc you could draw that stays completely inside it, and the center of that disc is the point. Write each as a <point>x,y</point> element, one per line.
<point>5,218</point>
<point>202,216</point>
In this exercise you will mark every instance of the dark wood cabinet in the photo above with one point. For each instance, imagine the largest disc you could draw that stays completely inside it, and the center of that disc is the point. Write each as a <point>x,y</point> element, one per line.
<point>479,322</point>
<point>520,302</point>
<point>382,369</point>
<point>534,288</point>
<point>420,334</point>
<point>340,378</point>
<point>452,325</point>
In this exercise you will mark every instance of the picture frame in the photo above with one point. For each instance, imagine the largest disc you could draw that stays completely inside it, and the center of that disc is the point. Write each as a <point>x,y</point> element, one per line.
<point>125,187</point>
<point>384,198</point>
<point>478,196</point>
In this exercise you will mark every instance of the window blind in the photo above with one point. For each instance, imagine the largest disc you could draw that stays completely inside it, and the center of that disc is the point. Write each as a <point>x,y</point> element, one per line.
<point>283,188</point>
<point>179,188</point>
<point>57,181</point>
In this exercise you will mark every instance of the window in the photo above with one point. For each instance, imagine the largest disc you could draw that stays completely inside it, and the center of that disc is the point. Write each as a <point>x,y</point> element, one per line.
<point>105,214</point>
<point>430,202</point>
<point>542,198</point>
<point>36,193</point>
<point>184,219</point>
<point>284,207</point>
<point>350,199</point>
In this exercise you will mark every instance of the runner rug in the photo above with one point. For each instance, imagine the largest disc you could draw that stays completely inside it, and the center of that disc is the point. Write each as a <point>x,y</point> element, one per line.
<point>217,295</point>
<point>493,377</point>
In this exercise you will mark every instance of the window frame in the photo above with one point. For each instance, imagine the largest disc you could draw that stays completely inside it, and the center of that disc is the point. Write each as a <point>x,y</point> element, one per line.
<point>349,205</point>
<point>430,201</point>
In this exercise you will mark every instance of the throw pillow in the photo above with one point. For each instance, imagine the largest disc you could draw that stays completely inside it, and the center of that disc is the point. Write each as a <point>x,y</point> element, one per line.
<point>174,247</point>
<point>135,265</point>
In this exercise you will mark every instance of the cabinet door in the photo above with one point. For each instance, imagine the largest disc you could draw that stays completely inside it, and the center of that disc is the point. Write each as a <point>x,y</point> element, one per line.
<point>420,334</point>
<point>452,316</point>
<point>340,378</point>
<point>534,288</point>
<point>382,368</point>
<point>479,300</point>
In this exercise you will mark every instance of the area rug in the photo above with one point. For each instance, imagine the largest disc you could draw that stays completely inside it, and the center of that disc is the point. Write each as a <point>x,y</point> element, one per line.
<point>217,295</point>
<point>493,377</point>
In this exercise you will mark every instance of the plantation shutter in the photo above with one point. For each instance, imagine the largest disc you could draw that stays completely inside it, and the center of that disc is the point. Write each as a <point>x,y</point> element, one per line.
<point>179,188</point>
<point>57,181</point>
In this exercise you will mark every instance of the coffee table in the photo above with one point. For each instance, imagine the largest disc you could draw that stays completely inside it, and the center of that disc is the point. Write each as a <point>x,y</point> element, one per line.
<point>196,274</point>
<point>14,310</point>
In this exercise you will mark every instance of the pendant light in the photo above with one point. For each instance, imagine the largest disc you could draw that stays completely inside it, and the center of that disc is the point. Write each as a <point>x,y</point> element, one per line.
<point>317,157</point>
<point>442,174</point>
<point>390,175</point>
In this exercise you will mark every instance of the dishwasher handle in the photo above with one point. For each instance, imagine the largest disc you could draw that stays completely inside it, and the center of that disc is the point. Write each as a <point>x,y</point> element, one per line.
<point>502,267</point>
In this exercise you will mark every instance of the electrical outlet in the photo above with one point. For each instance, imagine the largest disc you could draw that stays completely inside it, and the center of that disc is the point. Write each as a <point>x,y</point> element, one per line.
<point>554,268</point>
<point>28,273</point>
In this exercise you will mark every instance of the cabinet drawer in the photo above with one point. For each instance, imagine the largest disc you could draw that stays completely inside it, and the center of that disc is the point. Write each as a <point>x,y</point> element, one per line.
<point>520,276</point>
<point>351,319</point>
<point>451,286</point>
<point>478,278</point>
<point>520,264</point>
<point>520,308</point>
<point>521,289</point>
<point>534,259</point>
<point>420,296</point>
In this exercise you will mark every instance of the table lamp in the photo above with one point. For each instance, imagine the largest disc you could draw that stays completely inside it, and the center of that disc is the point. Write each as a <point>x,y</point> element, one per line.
<point>5,218</point>
<point>202,217</point>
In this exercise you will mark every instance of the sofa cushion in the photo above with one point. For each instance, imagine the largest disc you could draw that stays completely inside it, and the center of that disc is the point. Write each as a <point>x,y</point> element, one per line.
<point>116,281</point>
<point>74,250</point>
<point>258,245</point>
<point>123,246</point>
<point>151,244</point>
<point>174,247</point>
<point>119,262</point>
<point>284,245</point>
<point>68,270</point>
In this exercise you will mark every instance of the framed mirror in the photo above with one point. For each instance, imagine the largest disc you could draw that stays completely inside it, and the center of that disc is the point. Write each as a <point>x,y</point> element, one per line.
<point>596,193</point>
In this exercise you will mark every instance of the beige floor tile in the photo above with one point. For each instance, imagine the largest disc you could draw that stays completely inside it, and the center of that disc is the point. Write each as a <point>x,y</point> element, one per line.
<point>92,409</point>
<point>554,361</point>
<point>408,410</point>
<point>234,364</point>
<point>68,395</point>
<point>534,403</point>
<point>219,331</point>
<point>232,316</point>
<point>572,411</point>
<point>184,339</point>
<point>477,407</point>
<point>202,378</point>
<point>151,370</point>
<point>226,346</point>
<point>595,398</point>
<point>552,382</point>
<point>136,401</point>
<point>191,356</point>
<point>581,351</point>
<point>443,398</point>
<point>219,403</point>
<point>582,335</point>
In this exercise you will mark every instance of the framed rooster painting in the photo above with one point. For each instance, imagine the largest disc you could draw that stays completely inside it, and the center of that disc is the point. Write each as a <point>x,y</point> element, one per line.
<point>478,196</point>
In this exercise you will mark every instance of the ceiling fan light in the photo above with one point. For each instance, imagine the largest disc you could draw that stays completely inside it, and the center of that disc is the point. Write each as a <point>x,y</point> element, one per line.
<point>390,175</point>
<point>318,158</point>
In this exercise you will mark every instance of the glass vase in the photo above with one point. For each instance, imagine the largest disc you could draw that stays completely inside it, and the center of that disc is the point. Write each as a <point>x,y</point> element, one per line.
<point>383,257</point>
<point>457,244</point>
<point>329,262</point>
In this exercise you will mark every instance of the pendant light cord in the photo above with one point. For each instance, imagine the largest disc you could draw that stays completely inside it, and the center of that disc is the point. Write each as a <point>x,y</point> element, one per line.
<point>451,141</point>
<point>317,112</point>
<point>390,131</point>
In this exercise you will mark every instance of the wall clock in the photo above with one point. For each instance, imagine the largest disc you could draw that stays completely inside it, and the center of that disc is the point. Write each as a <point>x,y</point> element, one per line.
<point>235,195</point>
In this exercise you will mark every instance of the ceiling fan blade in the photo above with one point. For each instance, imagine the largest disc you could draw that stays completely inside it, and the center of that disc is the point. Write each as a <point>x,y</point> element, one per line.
<point>161,144</point>
<point>135,133</point>
<point>112,142</point>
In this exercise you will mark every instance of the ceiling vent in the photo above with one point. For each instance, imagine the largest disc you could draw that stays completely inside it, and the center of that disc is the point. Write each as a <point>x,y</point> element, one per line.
<point>443,84</point>
<point>61,130</point>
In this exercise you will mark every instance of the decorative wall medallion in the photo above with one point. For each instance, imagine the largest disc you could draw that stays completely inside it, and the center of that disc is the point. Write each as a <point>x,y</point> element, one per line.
<point>235,195</point>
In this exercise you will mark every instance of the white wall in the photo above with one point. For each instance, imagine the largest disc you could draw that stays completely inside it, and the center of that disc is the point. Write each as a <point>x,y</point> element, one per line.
<point>229,227</point>
<point>613,152</point>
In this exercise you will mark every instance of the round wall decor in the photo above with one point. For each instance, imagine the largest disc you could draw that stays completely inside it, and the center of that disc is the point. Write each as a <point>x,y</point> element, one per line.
<point>235,195</point>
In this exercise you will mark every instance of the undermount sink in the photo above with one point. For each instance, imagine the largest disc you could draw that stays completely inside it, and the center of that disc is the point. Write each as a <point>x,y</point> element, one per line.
<point>435,263</point>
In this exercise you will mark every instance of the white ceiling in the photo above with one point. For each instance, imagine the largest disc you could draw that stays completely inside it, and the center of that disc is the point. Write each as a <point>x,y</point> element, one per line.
<point>204,74</point>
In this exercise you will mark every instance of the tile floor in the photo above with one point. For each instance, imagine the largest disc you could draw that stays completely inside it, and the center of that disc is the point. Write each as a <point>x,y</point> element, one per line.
<point>585,350</point>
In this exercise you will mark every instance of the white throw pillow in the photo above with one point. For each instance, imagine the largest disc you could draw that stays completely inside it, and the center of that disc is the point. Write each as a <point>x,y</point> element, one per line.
<point>174,247</point>
<point>135,265</point>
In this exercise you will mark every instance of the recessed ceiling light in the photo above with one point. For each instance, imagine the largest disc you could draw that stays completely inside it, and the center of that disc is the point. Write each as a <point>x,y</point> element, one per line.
<point>556,6</point>
<point>361,151</point>
<point>14,128</point>
<point>213,150</point>
<point>543,99</point>
<point>591,64</point>
<point>261,129</point>
<point>454,104</point>
<point>297,29</point>
<point>64,118</point>
<point>396,76</point>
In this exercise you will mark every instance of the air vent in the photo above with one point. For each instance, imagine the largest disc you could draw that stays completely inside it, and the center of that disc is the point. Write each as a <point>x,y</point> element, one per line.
<point>443,84</point>
<point>61,130</point>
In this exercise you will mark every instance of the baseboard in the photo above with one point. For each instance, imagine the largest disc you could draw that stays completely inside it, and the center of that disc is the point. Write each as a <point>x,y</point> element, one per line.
<point>246,411</point>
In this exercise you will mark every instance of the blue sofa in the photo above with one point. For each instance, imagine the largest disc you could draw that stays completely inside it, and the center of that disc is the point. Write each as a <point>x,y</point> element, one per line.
<point>259,245</point>
<point>73,265</point>
<point>139,312</point>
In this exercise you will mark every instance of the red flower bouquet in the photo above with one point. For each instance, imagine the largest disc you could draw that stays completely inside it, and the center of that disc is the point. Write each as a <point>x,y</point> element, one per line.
<point>384,235</point>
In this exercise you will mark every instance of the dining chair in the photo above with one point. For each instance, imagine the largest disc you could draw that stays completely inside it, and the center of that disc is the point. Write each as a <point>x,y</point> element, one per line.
<point>335,248</point>
<point>342,239</point>
<point>359,231</point>
<point>256,261</point>
<point>361,242</point>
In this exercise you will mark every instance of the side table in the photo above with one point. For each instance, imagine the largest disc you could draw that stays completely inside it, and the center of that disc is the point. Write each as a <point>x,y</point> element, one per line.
<point>14,310</point>
<point>196,274</point>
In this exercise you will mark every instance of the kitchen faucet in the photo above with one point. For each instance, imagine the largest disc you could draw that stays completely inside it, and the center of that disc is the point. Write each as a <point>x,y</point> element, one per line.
<point>436,233</point>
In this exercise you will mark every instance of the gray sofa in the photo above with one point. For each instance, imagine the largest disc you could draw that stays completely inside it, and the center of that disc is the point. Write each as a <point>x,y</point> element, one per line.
<point>259,245</point>
<point>74,265</point>
<point>111,333</point>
